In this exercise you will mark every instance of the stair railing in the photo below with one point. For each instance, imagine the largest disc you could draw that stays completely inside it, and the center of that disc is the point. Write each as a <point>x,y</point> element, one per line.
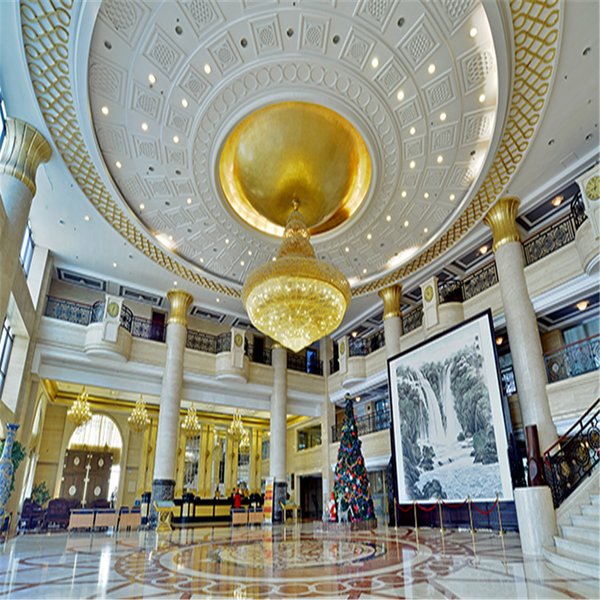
<point>574,455</point>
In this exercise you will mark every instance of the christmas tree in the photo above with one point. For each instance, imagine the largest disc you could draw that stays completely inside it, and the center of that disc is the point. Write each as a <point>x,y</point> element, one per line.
<point>351,487</point>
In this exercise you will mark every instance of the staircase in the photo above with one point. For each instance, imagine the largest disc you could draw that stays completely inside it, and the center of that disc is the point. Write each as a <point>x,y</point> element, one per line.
<point>577,549</point>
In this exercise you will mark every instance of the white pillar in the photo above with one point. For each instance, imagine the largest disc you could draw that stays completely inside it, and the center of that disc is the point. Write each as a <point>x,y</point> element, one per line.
<point>24,149</point>
<point>521,323</point>
<point>277,467</point>
<point>163,485</point>
<point>392,318</point>
<point>327,421</point>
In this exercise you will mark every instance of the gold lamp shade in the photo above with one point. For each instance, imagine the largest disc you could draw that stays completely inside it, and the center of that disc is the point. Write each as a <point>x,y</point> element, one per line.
<point>295,150</point>
<point>297,299</point>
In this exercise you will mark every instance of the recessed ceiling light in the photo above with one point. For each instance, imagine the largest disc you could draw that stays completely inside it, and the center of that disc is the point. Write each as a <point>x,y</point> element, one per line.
<point>347,249</point>
<point>400,95</point>
<point>242,263</point>
<point>227,240</point>
<point>115,265</point>
<point>426,230</point>
<point>481,98</point>
<point>274,259</point>
<point>144,126</point>
<point>557,201</point>
<point>364,271</point>
<point>118,164</point>
<point>184,102</point>
<point>440,159</point>
<point>152,78</point>
<point>582,305</point>
<point>403,193</point>
<point>170,238</point>
<point>406,223</point>
<point>483,249</point>
<point>369,236</point>
<point>412,131</point>
<point>142,206</point>
<point>354,334</point>
<point>104,110</point>
<point>443,116</point>
<point>189,200</point>
<point>201,260</point>
<point>207,69</point>
<point>473,32</point>
<point>176,139</point>
<point>388,218</point>
<point>412,164</point>
<point>249,252</point>
<point>499,340</point>
<point>175,283</point>
<point>426,195</point>
<point>431,69</point>
<point>452,197</point>
<point>86,218</point>
<point>218,299</point>
<point>375,62</point>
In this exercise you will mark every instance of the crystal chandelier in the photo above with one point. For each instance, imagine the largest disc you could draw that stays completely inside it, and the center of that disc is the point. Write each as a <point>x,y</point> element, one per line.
<point>236,429</point>
<point>138,419</point>
<point>245,442</point>
<point>191,424</point>
<point>80,412</point>
<point>296,299</point>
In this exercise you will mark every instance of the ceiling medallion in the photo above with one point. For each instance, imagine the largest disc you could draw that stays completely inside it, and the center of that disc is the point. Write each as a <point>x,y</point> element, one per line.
<point>296,299</point>
<point>80,412</point>
<point>295,150</point>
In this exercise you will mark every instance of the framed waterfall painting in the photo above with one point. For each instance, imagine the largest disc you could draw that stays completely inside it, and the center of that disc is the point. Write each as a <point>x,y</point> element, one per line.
<point>448,431</point>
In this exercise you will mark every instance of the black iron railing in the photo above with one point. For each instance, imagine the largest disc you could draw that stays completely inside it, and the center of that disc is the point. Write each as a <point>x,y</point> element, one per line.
<point>334,365</point>
<point>304,363</point>
<point>376,421</point>
<point>549,239</point>
<point>479,281</point>
<point>412,320</point>
<point>573,359</point>
<point>573,457</point>
<point>98,311</point>
<point>198,340</point>
<point>450,291</point>
<point>223,341</point>
<point>259,355</point>
<point>147,329</point>
<point>68,310</point>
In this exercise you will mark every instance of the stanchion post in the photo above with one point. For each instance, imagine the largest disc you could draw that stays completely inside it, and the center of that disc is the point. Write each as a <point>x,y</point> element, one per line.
<point>441,516</point>
<point>396,514</point>
<point>470,514</point>
<point>501,532</point>
<point>416,521</point>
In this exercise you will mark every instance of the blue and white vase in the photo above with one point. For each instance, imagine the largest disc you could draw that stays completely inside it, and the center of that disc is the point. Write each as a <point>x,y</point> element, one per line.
<point>6,468</point>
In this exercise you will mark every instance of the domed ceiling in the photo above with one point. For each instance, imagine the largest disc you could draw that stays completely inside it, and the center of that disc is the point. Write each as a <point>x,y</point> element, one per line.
<point>417,83</point>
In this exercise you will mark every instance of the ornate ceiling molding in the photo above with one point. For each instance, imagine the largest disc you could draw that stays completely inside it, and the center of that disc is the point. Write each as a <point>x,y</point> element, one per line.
<point>46,32</point>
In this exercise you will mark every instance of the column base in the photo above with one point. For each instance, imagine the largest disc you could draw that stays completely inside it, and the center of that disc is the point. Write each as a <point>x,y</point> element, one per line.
<point>279,495</point>
<point>537,519</point>
<point>162,490</point>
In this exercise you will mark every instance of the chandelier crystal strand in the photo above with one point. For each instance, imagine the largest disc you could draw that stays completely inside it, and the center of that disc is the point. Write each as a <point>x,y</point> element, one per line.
<point>80,412</point>
<point>139,419</point>
<point>297,299</point>
<point>191,424</point>
<point>236,429</point>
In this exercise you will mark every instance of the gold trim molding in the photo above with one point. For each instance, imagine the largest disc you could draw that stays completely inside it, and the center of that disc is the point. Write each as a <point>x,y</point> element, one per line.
<point>502,220</point>
<point>180,303</point>
<point>46,36</point>
<point>23,151</point>
<point>391,297</point>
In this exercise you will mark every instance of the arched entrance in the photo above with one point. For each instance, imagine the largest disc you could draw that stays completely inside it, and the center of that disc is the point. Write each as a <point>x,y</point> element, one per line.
<point>92,462</point>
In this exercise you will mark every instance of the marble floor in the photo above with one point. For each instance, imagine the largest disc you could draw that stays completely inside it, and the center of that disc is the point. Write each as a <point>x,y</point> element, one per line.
<point>283,562</point>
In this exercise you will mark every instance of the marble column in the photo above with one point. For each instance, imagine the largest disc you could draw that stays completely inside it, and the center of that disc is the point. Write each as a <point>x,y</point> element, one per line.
<point>23,151</point>
<point>327,422</point>
<point>278,424</point>
<point>392,318</point>
<point>163,485</point>
<point>521,323</point>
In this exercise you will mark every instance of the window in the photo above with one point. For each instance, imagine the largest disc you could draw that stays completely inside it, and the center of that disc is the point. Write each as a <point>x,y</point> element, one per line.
<point>98,432</point>
<point>6,344</point>
<point>26,253</point>
<point>243,476</point>
<point>266,449</point>
<point>309,437</point>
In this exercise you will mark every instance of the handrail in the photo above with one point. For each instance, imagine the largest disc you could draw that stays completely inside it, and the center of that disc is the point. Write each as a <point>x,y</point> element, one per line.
<point>572,344</point>
<point>565,436</point>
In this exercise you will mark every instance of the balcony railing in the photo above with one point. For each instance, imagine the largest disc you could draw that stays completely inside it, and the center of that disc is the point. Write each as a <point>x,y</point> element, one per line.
<point>573,359</point>
<point>147,329</point>
<point>412,320</point>
<point>377,421</point>
<point>573,457</point>
<point>204,342</point>
<point>304,363</point>
<point>68,310</point>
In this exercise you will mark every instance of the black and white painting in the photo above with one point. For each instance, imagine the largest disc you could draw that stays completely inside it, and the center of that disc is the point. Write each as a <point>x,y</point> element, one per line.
<point>449,433</point>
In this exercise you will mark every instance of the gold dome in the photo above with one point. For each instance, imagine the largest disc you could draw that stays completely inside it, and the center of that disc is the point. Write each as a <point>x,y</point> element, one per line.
<point>295,150</point>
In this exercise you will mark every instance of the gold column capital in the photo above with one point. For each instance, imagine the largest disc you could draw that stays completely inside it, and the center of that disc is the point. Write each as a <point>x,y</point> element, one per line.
<point>391,297</point>
<point>23,151</point>
<point>180,303</point>
<point>502,220</point>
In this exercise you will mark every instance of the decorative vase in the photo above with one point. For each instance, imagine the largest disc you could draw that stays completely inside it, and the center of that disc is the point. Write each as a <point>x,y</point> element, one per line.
<point>6,468</point>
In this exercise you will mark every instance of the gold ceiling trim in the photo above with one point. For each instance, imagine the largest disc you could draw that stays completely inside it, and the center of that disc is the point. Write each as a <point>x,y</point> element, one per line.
<point>46,32</point>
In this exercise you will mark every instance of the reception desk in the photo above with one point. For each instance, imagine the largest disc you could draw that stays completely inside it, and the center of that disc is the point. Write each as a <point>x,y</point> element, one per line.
<point>190,510</point>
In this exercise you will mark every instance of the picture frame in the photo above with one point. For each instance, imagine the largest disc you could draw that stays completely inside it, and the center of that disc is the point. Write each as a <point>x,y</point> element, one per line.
<point>449,436</point>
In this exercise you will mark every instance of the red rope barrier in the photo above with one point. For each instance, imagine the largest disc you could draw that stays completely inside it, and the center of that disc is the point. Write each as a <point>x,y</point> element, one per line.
<point>455,505</point>
<point>484,512</point>
<point>410,506</point>
<point>427,509</point>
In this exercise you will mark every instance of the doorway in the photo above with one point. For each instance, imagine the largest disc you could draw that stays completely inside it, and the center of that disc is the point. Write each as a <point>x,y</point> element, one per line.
<point>157,326</point>
<point>311,496</point>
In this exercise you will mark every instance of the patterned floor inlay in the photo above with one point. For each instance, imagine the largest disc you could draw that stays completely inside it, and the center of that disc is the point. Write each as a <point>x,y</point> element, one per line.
<point>285,562</point>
